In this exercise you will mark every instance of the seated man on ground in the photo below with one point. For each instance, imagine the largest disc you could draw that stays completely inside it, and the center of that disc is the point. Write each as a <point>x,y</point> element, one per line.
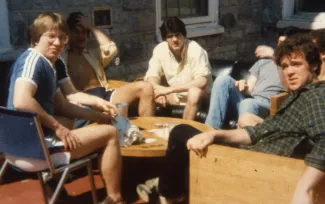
<point>299,122</point>
<point>38,76</point>
<point>87,59</point>
<point>185,66</point>
<point>238,97</point>
<point>252,115</point>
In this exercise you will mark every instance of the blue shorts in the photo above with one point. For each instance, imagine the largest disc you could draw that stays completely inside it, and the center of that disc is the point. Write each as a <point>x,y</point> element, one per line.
<point>101,92</point>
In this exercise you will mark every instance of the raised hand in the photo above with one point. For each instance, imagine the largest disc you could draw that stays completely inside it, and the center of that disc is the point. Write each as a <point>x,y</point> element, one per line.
<point>263,51</point>
<point>241,85</point>
<point>85,22</point>
<point>106,107</point>
<point>162,100</point>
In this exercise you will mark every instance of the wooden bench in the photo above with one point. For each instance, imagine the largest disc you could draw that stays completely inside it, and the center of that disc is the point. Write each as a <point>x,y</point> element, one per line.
<point>231,175</point>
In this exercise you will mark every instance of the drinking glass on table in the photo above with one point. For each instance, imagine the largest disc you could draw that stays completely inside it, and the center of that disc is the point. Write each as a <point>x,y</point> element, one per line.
<point>122,109</point>
<point>165,129</point>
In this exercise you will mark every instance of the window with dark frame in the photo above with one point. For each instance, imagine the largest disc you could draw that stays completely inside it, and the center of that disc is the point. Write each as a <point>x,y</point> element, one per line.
<point>310,5</point>
<point>184,8</point>
<point>102,17</point>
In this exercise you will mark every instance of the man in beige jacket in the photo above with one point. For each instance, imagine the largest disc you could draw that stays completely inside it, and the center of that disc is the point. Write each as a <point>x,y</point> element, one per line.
<point>86,60</point>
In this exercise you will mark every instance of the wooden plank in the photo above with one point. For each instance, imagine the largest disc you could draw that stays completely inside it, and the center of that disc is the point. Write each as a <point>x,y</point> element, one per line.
<point>275,102</point>
<point>231,175</point>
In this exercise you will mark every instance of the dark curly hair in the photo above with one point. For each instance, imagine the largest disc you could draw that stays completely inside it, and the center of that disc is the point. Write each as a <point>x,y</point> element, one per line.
<point>299,43</point>
<point>73,20</point>
<point>172,25</point>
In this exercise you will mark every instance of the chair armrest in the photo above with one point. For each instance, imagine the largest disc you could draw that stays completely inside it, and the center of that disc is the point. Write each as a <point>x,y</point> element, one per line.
<point>275,102</point>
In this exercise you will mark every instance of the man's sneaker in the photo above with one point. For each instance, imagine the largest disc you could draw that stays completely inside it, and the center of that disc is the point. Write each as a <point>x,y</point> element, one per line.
<point>179,199</point>
<point>148,190</point>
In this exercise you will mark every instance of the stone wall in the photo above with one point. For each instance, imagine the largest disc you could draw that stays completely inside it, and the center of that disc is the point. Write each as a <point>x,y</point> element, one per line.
<point>134,29</point>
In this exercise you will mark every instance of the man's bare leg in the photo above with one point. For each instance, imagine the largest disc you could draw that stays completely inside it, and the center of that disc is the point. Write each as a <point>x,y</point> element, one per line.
<point>97,137</point>
<point>195,95</point>
<point>249,119</point>
<point>140,90</point>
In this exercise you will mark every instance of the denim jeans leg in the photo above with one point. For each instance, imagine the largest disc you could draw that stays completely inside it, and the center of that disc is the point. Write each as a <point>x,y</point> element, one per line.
<point>224,95</point>
<point>254,106</point>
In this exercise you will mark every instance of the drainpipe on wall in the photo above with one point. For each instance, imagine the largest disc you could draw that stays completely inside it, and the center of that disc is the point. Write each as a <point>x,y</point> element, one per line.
<point>5,44</point>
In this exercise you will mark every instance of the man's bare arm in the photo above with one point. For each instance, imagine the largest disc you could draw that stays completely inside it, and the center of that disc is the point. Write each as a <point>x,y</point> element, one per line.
<point>199,143</point>
<point>24,100</point>
<point>199,82</point>
<point>67,109</point>
<point>251,82</point>
<point>75,96</point>
<point>308,181</point>
<point>110,50</point>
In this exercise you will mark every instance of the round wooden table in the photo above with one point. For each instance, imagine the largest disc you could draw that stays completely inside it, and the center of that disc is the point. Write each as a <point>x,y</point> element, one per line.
<point>158,147</point>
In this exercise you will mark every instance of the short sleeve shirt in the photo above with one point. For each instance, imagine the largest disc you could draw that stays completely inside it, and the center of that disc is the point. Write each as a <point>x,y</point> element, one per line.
<point>300,121</point>
<point>268,81</point>
<point>34,68</point>
<point>194,64</point>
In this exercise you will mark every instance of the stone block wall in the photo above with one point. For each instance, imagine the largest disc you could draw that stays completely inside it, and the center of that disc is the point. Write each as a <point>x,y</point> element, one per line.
<point>134,29</point>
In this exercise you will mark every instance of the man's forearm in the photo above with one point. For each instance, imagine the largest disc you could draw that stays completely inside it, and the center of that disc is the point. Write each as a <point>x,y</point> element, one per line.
<point>101,38</point>
<point>74,111</point>
<point>84,99</point>
<point>154,81</point>
<point>236,136</point>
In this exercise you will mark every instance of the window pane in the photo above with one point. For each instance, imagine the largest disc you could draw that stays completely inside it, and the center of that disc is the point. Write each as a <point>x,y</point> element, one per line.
<point>184,8</point>
<point>311,5</point>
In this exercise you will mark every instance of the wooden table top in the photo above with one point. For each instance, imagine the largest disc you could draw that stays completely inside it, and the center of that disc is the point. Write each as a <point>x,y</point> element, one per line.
<point>158,147</point>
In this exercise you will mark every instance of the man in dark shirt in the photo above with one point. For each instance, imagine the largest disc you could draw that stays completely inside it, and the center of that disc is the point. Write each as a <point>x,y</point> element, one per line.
<point>300,122</point>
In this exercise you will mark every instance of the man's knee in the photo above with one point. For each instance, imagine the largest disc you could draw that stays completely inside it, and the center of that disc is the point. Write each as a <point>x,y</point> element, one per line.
<point>194,95</point>
<point>248,119</point>
<point>110,134</point>
<point>145,87</point>
<point>222,81</point>
<point>247,105</point>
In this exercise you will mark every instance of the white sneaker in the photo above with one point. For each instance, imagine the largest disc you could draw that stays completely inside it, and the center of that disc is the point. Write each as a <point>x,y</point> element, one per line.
<point>145,191</point>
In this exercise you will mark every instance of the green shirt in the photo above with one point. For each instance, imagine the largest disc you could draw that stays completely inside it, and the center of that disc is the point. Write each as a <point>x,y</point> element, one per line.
<point>300,122</point>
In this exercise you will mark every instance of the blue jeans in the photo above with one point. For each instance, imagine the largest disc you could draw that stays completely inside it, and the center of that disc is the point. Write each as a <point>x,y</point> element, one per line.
<point>225,98</point>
